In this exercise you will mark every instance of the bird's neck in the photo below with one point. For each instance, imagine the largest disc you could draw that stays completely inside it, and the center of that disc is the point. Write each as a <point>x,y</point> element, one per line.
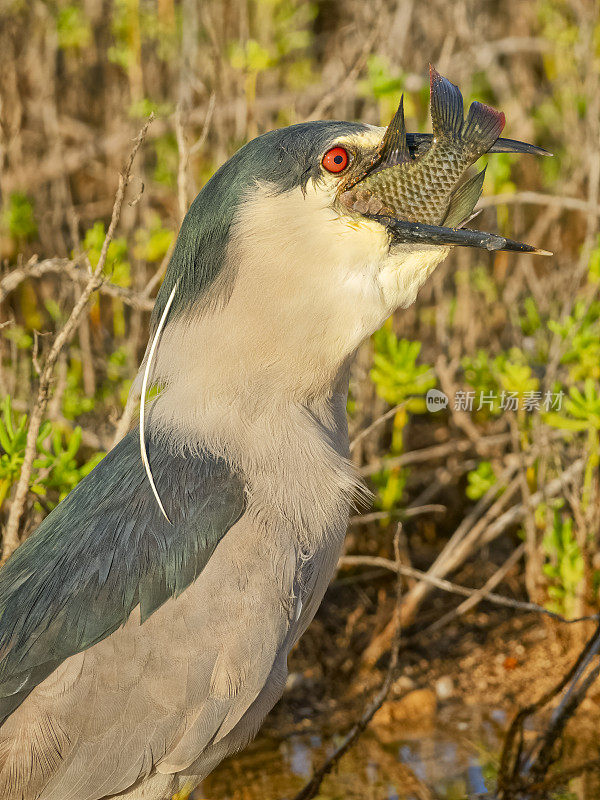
<point>292,450</point>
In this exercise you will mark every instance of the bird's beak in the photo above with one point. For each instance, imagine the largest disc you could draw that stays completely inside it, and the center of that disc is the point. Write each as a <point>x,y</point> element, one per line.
<point>404,232</point>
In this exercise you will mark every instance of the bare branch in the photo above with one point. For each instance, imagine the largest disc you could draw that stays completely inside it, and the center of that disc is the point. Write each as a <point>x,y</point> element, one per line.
<point>11,535</point>
<point>540,199</point>
<point>521,771</point>
<point>406,513</point>
<point>199,143</point>
<point>184,155</point>
<point>69,267</point>
<point>478,528</point>
<point>347,85</point>
<point>34,269</point>
<point>424,454</point>
<point>487,529</point>
<point>474,596</point>
<point>375,424</point>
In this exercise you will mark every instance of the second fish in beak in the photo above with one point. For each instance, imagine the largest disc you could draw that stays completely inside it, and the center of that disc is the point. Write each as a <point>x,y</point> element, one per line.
<point>421,197</point>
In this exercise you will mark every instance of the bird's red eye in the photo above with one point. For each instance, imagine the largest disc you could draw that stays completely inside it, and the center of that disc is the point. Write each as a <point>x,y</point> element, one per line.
<point>335,160</point>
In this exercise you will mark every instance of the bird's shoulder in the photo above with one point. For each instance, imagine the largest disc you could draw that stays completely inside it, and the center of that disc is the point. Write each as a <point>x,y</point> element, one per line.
<point>106,549</point>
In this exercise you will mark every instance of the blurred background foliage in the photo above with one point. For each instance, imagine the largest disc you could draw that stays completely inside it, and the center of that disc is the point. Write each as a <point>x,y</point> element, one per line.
<point>76,81</point>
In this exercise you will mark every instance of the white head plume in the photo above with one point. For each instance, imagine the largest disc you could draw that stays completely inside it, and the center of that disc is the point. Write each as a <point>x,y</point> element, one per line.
<point>143,450</point>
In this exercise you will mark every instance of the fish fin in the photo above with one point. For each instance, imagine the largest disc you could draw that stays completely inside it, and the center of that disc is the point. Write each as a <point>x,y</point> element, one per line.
<point>482,127</point>
<point>393,148</point>
<point>446,106</point>
<point>483,124</point>
<point>474,215</point>
<point>463,201</point>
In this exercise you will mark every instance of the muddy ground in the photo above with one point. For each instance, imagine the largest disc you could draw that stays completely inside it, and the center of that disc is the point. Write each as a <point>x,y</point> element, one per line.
<point>440,734</point>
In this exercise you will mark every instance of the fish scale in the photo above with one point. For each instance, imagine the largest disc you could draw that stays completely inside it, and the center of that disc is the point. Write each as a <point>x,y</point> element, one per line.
<point>421,188</point>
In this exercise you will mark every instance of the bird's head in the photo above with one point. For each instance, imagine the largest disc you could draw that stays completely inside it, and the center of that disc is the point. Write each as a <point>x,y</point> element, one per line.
<point>283,264</point>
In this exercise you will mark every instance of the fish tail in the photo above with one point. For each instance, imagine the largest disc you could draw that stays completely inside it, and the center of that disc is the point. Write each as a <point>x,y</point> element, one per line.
<point>478,132</point>
<point>482,127</point>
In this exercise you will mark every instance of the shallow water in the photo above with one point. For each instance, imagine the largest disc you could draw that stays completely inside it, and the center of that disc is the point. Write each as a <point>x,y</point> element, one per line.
<point>453,756</point>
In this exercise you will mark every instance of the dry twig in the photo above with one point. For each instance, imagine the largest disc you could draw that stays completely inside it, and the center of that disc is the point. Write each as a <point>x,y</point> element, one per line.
<point>485,531</point>
<point>375,424</point>
<point>424,454</point>
<point>474,596</point>
<point>69,267</point>
<point>10,539</point>
<point>476,530</point>
<point>540,199</point>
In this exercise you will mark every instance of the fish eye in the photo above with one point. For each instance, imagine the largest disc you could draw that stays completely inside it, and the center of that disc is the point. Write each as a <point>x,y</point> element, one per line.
<point>335,160</point>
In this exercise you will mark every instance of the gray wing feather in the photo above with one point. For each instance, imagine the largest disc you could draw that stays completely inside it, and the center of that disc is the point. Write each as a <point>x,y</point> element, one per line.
<point>184,693</point>
<point>66,598</point>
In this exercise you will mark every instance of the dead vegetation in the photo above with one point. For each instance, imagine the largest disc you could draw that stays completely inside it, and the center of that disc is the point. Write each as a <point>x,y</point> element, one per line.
<point>498,505</point>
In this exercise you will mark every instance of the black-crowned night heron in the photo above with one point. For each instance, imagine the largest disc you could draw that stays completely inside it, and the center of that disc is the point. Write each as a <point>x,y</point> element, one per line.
<point>145,626</point>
